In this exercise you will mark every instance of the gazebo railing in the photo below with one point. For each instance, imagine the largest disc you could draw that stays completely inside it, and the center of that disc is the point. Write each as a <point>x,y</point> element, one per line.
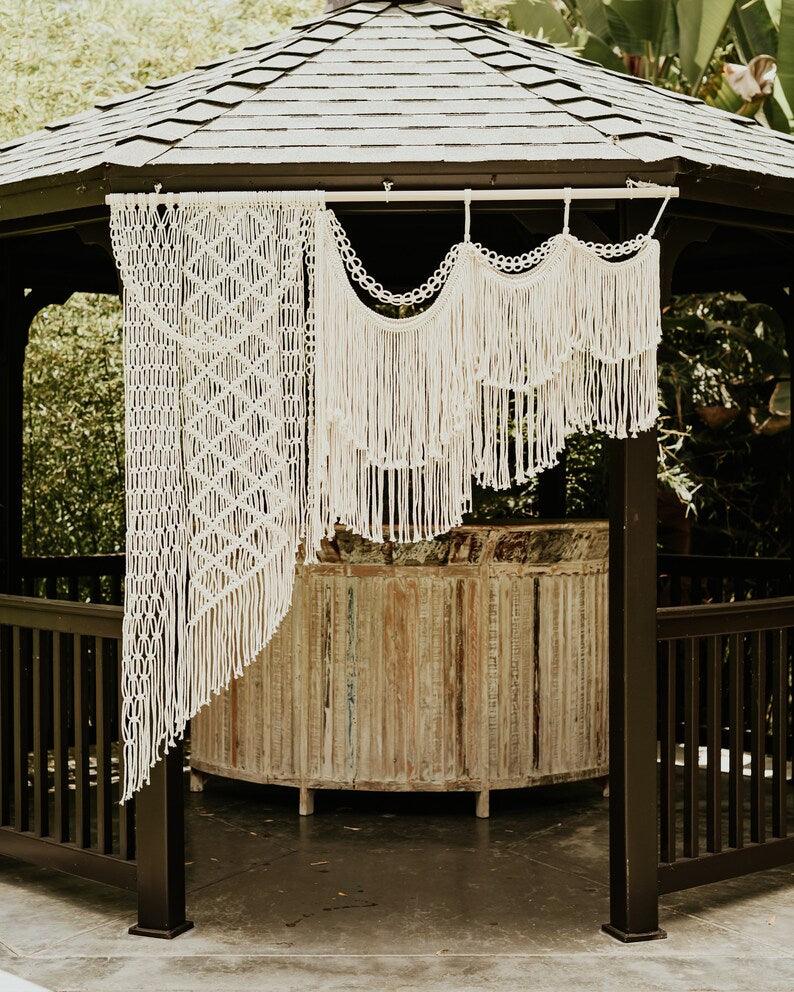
<point>61,762</point>
<point>733,816</point>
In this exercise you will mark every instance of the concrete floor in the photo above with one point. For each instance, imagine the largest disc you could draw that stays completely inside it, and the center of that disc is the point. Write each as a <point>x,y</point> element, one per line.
<point>394,893</point>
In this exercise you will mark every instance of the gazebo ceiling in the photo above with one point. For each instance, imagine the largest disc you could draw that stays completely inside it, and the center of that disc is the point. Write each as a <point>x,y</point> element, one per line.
<point>419,91</point>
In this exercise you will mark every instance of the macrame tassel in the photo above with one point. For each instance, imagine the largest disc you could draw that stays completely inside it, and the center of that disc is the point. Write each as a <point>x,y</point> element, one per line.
<point>393,407</point>
<point>563,338</point>
<point>148,249</point>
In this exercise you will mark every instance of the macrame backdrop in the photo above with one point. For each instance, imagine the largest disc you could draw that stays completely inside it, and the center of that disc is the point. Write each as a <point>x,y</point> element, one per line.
<point>266,402</point>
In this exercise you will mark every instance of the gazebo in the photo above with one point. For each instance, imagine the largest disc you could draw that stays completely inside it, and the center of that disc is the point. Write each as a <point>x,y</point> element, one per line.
<point>409,96</point>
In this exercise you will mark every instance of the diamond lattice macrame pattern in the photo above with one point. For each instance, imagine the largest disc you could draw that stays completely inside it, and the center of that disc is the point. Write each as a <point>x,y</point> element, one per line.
<point>216,320</point>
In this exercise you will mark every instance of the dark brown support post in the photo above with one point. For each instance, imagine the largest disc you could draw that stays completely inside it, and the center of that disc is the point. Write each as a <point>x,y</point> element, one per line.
<point>14,323</point>
<point>633,805</point>
<point>160,846</point>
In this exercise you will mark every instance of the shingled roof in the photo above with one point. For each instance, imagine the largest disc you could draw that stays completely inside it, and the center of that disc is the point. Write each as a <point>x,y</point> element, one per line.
<point>383,85</point>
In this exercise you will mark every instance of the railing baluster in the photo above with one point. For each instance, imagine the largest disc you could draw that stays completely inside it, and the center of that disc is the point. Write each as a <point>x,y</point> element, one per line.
<point>127,811</point>
<point>6,724</point>
<point>96,589</point>
<point>102,710</point>
<point>713,744</point>
<point>758,738</point>
<point>41,790</point>
<point>779,731</point>
<point>21,796</point>
<point>73,588</point>
<point>60,741</point>
<point>667,805</point>
<point>736,738</point>
<point>82,798</point>
<point>691,745</point>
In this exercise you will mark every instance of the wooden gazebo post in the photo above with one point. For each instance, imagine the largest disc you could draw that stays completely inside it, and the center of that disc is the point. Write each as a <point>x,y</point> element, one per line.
<point>633,853</point>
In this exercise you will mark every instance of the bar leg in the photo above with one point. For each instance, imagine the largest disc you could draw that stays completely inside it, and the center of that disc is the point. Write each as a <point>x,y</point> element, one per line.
<point>483,810</point>
<point>160,844</point>
<point>305,801</point>
<point>633,802</point>
<point>197,780</point>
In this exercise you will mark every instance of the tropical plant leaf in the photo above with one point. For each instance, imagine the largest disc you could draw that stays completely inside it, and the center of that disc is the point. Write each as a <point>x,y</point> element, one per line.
<point>593,16</point>
<point>785,49</point>
<point>539,19</point>
<point>700,25</point>
<point>753,29</point>
<point>644,18</point>
<point>776,116</point>
<point>780,400</point>
<point>595,48</point>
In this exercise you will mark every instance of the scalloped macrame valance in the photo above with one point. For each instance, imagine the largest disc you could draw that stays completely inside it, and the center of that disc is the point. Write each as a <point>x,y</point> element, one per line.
<point>267,402</point>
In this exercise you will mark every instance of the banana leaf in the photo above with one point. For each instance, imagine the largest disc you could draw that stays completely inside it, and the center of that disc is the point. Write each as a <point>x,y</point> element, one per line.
<point>637,24</point>
<point>539,19</point>
<point>592,47</point>
<point>700,25</point>
<point>753,29</point>
<point>785,50</point>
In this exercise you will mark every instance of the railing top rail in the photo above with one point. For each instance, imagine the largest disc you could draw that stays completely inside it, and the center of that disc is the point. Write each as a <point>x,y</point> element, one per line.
<point>66,566</point>
<point>709,619</point>
<point>57,615</point>
<point>715,566</point>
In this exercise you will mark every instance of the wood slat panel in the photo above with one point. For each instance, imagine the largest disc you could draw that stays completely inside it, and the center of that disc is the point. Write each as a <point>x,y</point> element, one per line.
<point>426,676</point>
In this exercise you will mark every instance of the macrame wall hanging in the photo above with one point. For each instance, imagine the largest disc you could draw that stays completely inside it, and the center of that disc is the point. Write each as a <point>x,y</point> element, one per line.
<point>266,402</point>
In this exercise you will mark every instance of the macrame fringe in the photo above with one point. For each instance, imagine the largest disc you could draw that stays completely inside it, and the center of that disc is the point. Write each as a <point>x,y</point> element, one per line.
<point>216,366</point>
<point>266,402</point>
<point>409,411</point>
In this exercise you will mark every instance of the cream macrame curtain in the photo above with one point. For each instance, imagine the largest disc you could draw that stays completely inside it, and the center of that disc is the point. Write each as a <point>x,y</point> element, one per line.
<point>266,402</point>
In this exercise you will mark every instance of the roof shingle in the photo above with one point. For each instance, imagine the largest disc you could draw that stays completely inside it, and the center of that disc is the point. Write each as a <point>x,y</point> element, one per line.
<point>379,82</point>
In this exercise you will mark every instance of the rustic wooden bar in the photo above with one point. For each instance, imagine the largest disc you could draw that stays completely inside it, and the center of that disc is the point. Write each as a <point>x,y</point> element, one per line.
<point>473,662</point>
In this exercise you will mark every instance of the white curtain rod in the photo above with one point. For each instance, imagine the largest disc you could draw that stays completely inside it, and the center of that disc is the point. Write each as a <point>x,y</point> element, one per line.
<point>645,192</point>
<point>461,195</point>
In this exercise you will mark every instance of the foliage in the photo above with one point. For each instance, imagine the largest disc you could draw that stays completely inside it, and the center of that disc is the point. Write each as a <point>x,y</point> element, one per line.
<point>725,391</point>
<point>60,57</point>
<point>74,430</point>
<point>725,439</point>
<point>736,54</point>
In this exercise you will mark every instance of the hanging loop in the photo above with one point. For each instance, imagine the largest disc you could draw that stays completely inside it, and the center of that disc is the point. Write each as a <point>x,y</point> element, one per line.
<point>467,215</point>
<point>566,220</point>
<point>658,217</point>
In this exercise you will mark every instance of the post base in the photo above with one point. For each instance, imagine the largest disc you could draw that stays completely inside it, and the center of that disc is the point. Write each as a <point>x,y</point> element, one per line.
<point>138,931</point>
<point>633,938</point>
